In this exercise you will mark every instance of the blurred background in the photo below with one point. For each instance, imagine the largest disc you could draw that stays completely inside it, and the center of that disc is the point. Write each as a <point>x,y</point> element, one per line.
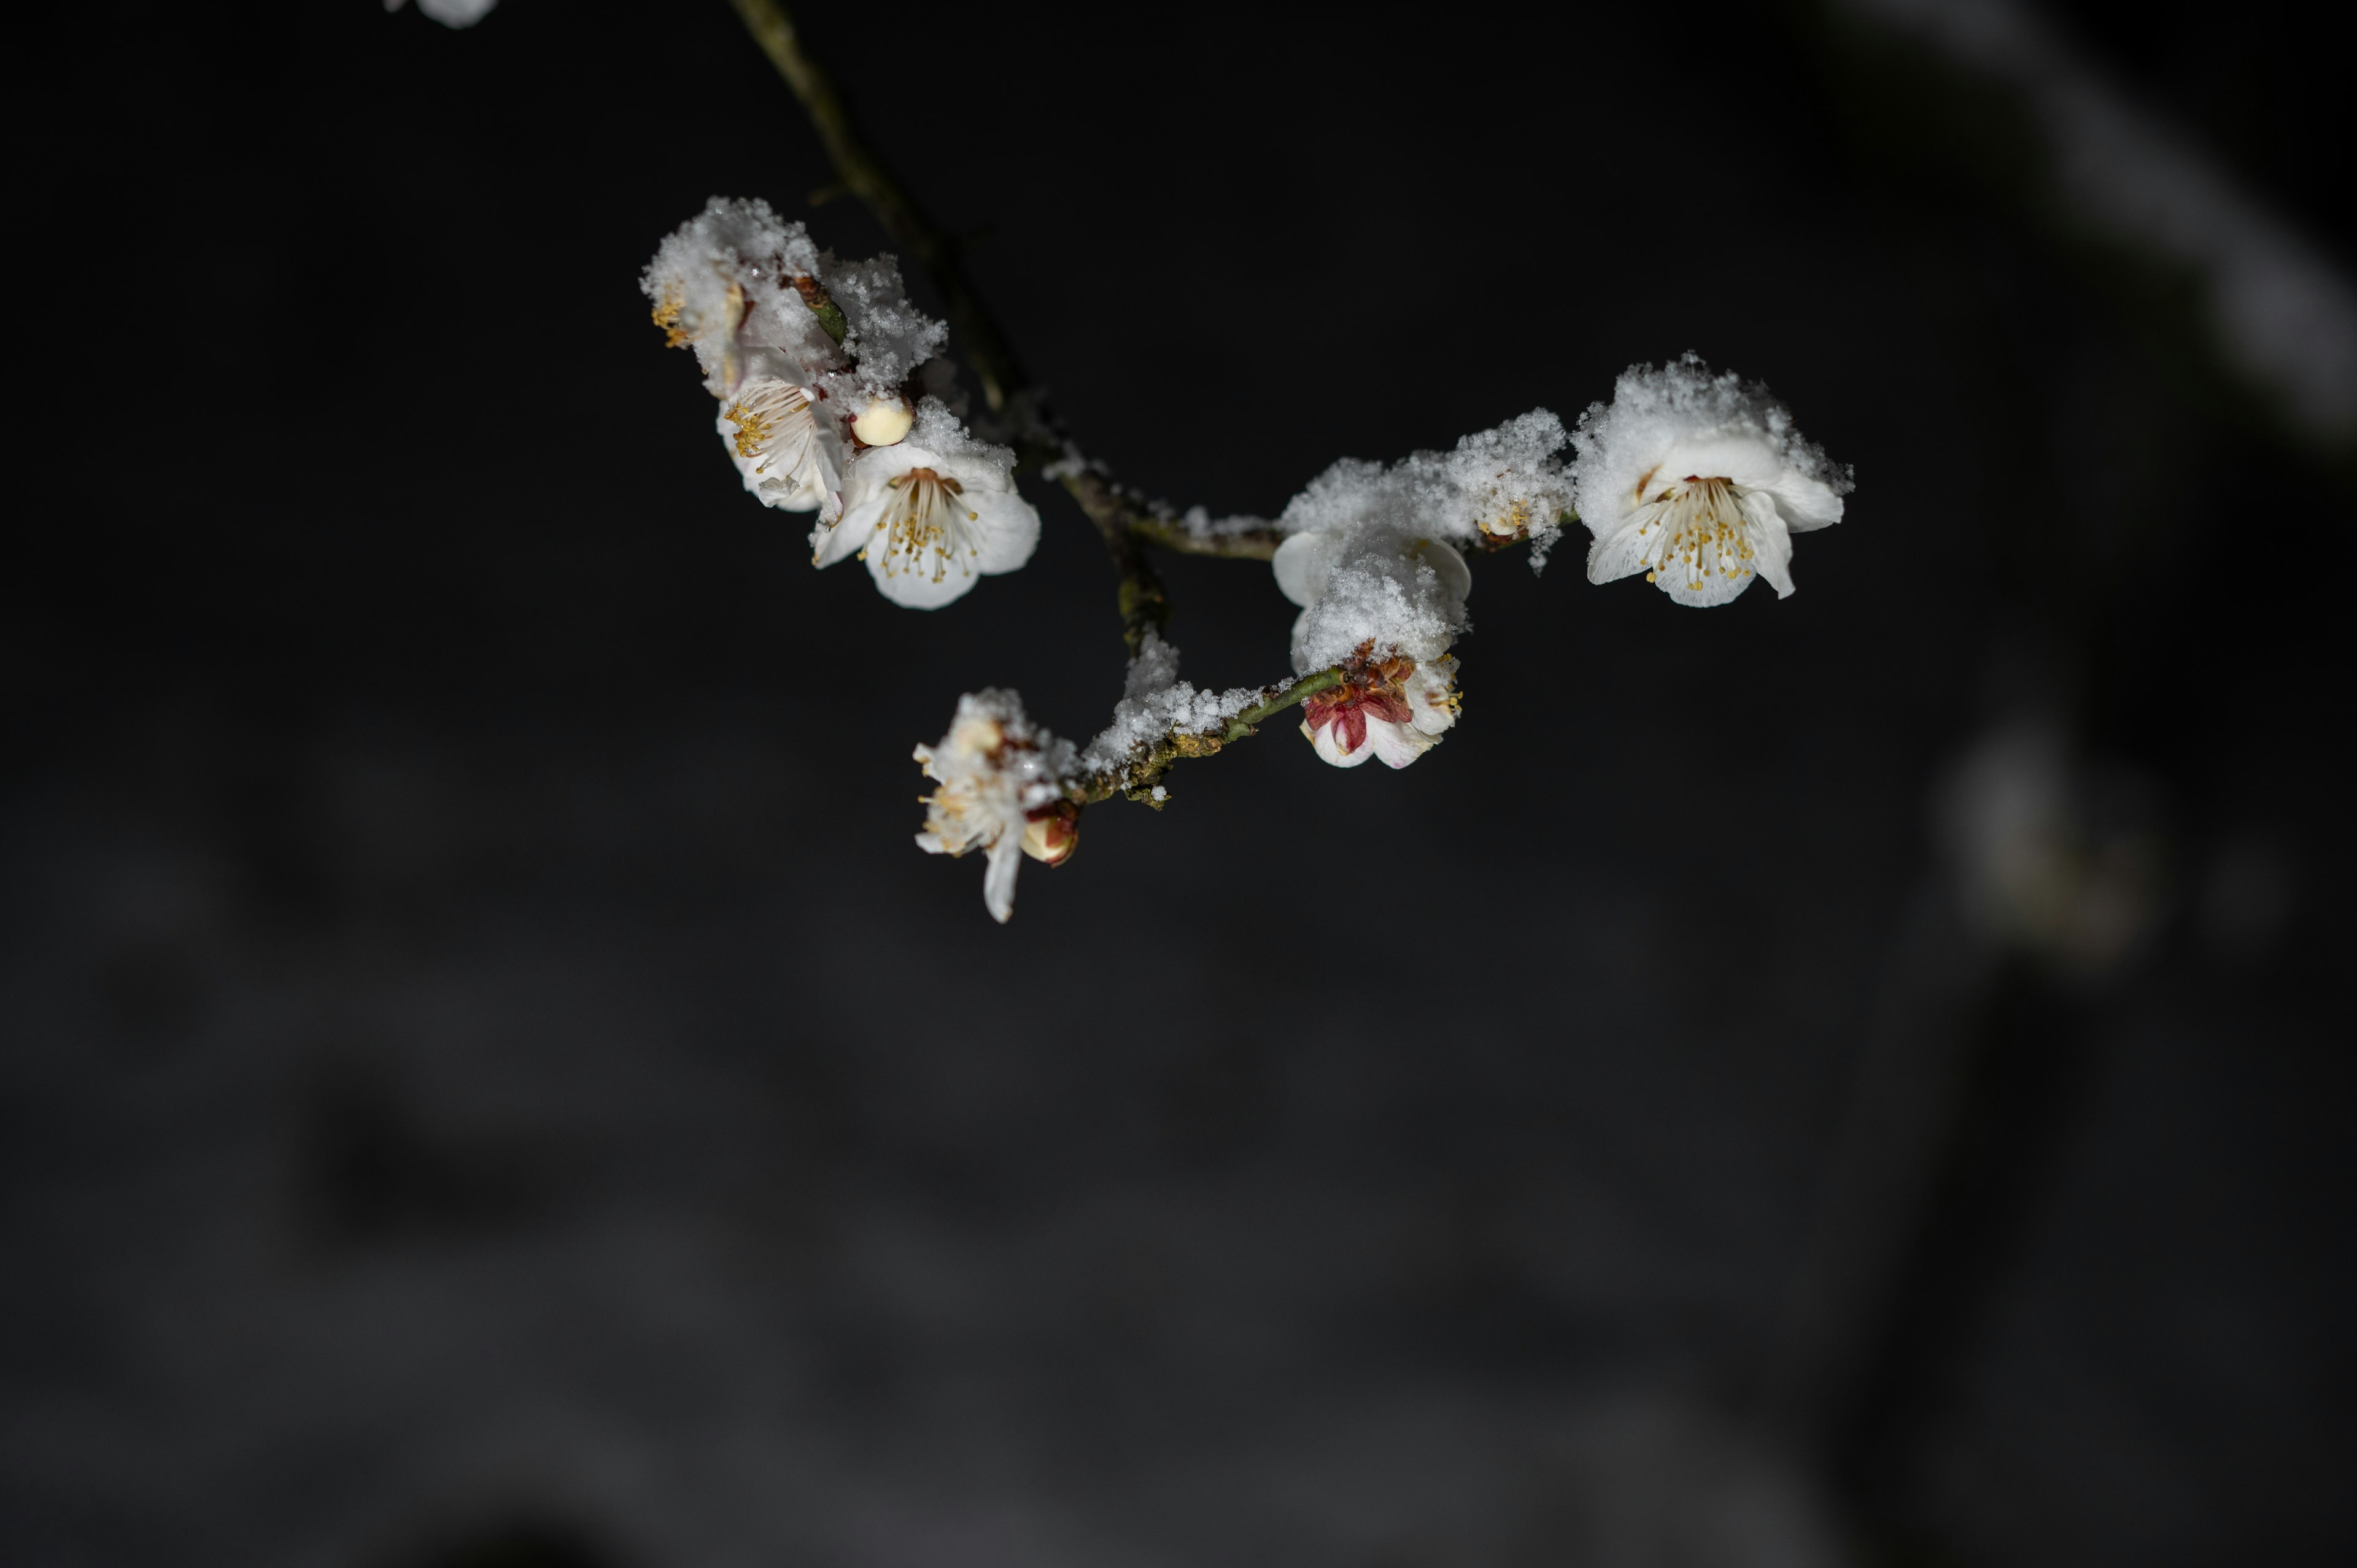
<point>1855,1080</point>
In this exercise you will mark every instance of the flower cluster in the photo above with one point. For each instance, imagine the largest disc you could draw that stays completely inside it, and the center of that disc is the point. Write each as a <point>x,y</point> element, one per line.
<point>1697,479</point>
<point>1004,788</point>
<point>818,365</point>
<point>1393,708</point>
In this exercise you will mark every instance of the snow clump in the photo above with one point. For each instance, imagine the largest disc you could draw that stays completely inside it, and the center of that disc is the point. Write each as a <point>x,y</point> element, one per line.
<point>1155,704</point>
<point>930,514</point>
<point>813,424</point>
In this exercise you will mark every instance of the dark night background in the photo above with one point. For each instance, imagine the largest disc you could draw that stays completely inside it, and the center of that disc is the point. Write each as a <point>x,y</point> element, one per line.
<point>487,1078</point>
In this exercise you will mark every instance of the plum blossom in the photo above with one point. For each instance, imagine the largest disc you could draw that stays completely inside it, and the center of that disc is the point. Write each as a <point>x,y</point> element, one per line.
<point>727,285</point>
<point>1495,486</point>
<point>1004,786</point>
<point>929,515</point>
<point>1375,587</point>
<point>1384,606</point>
<point>788,455</point>
<point>1699,481</point>
<point>1393,708</point>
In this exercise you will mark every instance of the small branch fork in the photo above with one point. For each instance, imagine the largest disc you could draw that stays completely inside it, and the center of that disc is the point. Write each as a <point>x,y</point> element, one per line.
<point>1126,520</point>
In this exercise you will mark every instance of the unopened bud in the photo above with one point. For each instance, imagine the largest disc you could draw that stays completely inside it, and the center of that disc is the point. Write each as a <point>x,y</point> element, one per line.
<point>1052,833</point>
<point>883,422</point>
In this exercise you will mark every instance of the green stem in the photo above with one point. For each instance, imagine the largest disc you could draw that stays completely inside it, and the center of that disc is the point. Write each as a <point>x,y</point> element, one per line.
<point>1143,603</point>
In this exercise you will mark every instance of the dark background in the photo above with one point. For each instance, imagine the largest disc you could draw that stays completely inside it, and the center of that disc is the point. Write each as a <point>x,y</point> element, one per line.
<point>487,1078</point>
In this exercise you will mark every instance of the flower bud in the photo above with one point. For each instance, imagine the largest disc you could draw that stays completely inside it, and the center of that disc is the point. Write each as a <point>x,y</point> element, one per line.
<point>1052,833</point>
<point>883,422</point>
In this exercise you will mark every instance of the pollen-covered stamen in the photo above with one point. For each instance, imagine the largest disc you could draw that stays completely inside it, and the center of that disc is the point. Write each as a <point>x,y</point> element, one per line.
<point>927,516</point>
<point>1694,525</point>
<point>666,315</point>
<point>775,429</point>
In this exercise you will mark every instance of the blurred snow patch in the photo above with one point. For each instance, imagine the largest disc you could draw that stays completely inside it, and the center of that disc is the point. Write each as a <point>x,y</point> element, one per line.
<point>2283,314</point>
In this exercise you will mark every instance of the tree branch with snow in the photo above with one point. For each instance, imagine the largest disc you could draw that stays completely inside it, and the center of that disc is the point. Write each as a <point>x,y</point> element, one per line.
<point>835,399</point>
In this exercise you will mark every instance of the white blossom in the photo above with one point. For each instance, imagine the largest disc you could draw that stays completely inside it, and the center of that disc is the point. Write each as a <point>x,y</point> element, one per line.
<point>1495,485</point>
<point>787,452</point>
<point>930,514</point>
<point>1393,708</point>
<point>1002,790</point>
<point>1699,481</point>
<point>1371,591</point>
<point>724,285</point>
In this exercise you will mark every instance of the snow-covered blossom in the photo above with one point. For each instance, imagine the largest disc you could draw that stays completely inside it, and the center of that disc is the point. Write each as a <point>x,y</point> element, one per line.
<point>1002,790</point>
<point>930,514</point>
<point>1393,708</point>
<point>813,424</point>
<point>1699,481</point>
<point>1495,486</point>
<point>790,457</point>
<point>1383,599</point>
<point>1375,590</point>
<point>724,283</point>
<point>887,338</point>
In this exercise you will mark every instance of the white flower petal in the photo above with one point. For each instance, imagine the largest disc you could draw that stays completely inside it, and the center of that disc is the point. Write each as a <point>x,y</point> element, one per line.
<point>1398,745</point>
<point>928,584</point>
<point>1772,543</point>
<point>1704,590</point>
<point>1806,503</point>
<point>998,880</point>
<point>847,537</point>
<point>1455,577</point>
<point>1621,554</point>
<point>1302,564</point>
<point>1006,530</point>
<point>1430,697</point>
<point>1328,745</point>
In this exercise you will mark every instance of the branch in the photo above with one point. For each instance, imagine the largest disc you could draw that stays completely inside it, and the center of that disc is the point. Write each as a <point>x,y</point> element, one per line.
<point>1143,603</point>
<point>1137,777</point>
<point>1121,519</point>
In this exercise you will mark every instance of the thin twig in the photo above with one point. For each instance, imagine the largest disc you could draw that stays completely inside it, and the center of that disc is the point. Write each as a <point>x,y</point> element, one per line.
<point>1124,523</point>
<point>866,177</point>
<point>1143,603</point>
